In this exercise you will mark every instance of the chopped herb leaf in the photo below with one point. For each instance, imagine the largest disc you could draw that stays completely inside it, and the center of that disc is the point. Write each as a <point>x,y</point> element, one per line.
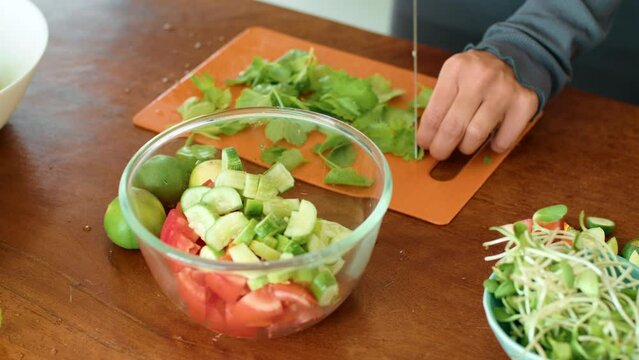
<point>290,158</point>
<point>347,176</point>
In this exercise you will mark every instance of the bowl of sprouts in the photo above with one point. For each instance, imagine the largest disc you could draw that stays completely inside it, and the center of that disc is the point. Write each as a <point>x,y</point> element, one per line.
<point>558,292</point>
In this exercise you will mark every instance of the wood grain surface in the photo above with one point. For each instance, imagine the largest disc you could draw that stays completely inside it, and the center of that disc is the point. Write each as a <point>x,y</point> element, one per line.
<point>68,293</point>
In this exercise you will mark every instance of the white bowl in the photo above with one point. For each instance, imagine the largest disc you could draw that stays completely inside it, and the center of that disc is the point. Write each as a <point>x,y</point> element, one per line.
<point>23,38</point>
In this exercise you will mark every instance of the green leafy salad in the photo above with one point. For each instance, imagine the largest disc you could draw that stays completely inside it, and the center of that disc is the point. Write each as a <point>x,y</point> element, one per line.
<point>563,293</point>
<point>297,80</point>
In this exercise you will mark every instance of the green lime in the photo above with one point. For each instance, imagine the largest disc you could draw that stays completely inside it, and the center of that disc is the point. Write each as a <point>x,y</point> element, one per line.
<point>164,176</point>
<point>149,211</point>
<point>630,247</point>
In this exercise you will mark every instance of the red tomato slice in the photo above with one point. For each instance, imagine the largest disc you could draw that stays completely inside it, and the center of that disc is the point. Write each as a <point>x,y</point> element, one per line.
<point>227,286</point>
<point>257,308</point>
<point>210,183</point>
<point>293,296</point>
<point>237,327</point>
<point>193,294</point>
<point>216,314</point>
<point>169,225</point>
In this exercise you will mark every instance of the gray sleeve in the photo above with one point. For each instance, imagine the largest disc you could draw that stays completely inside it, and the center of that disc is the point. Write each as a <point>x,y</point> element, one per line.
<point>542,37</point>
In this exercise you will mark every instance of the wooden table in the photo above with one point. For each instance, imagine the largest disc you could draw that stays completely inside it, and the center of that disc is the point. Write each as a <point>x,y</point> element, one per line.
<point>68,293</point>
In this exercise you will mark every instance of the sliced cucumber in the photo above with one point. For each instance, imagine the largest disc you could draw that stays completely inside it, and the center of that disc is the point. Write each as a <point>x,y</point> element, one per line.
<point>204,171</point>
<point>256,283</point>
<point>316,243</point>
<point>270,225</point>
<point>304,275</point>
<point>242,254</point>
<point>302,222</point>
<point>247,234</point>
<point>269,241</point>
<point>253,208</point>
<point>266,189</point>
<point>281,207</point>
<point>613,245</point>
<point>325,288</point>
<point>192,196</point>
<point>329,231</point>
<point>336,265</point>
<point>231,178</point>
<point>629,248</point>
<point>607,225</point>
<point>264,251</point>
<point>230,159</point>
<point>201,218</point>
<point>223,199</point>
<point>208,252</point>
<point>280,176</point>
<point>282,242</point>
<point>251,183</point>
<point>225,229</point>
<point>294,248</point>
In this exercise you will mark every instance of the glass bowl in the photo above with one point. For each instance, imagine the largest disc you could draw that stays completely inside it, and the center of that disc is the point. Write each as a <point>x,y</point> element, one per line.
<point>269,298</point>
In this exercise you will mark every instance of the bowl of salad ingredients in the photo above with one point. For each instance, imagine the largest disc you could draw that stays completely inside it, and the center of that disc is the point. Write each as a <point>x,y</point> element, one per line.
<point>250,231</point>
<point>558,292</point>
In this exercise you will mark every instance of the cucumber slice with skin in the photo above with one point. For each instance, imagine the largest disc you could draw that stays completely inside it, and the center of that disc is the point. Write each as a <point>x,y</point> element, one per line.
<point>629,248</point>
<point>253,208</point>
<point>270,225</point>
<point>269,241</point>
<point>247,234</point>
<point>201,218</point>
<point>205,171</point>
<point>607,225</point>
<point>242,254</point>
<point>329,231</point>
<point>208,252</point>
<point>304,276</point>
<point>282,242</point>
<point>265,189</point>
<point>281,207</point>
<point>222,199</point>
<point>302,222</point>
<point>231,178</point>
<point>251,183</point>
<point>225,229</point>
<point>230,159</point>
<point>256,283</point>
<point>325,288</point>
<point>280,176</point>
<point>264,251</point>
<point>294,248</point>
<point>193,196</point>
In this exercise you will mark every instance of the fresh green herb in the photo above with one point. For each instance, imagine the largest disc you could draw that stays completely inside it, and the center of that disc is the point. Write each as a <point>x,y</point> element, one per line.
<point>423,97</point>
<point>341,152</point>
<point>293,132</point>
<point>290,158</point>
<point>296,80</point>
<point>488,160</point>
<point>565,302</point>
<point>213,98</point>
<point>347,176</point>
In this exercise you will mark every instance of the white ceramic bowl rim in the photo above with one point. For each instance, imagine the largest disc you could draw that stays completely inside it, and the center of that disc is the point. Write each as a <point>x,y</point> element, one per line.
<point>35,59</point>
<point>147,150</point>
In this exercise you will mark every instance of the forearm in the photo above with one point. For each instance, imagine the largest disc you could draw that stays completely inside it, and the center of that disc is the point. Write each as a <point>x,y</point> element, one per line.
<point>543,36</point>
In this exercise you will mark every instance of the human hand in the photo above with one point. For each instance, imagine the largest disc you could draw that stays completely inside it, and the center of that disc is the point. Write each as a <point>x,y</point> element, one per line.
<point>475,92</point>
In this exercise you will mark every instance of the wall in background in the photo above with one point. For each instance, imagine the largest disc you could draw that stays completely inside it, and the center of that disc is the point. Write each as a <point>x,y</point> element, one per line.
<point>371,15</point>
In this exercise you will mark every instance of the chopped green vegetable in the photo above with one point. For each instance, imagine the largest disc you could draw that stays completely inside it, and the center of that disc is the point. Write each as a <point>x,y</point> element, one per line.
<point>290,158</point>
<point>629,248</point>
<point>607,225</point>
<point>293,132</point>
<point>565,302</point>
<point>214,99</point>
<point>347,176</point>
<point>423,97</point>
<point>487,160</point>
<point>197,152</point>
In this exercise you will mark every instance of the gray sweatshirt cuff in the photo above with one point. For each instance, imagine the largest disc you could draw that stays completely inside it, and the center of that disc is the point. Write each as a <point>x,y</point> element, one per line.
<point>528,72</point>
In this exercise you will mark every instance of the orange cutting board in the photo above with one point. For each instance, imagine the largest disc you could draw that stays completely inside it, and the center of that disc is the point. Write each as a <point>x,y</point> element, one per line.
<point>415,192</point>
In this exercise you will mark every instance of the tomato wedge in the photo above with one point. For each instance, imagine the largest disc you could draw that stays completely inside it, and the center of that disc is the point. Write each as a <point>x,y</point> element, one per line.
<point>228,287</point>
<point>293,296</point>
<point>216,313</point>
<point>193,293</point>
<point>257,308</point>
